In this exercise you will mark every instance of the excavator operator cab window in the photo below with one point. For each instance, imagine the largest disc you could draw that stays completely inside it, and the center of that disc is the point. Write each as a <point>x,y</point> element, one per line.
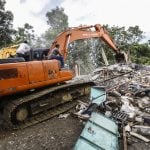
<point>36,55</point>
<point>39,54</point>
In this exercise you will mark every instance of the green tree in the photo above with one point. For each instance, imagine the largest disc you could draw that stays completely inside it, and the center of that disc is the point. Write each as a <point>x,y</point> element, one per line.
<point>141,53</point>
<point>135,34</point>
<point>57,21</point>
<point>124,39</point>
<point>24,33</point>
<point>6,30</point>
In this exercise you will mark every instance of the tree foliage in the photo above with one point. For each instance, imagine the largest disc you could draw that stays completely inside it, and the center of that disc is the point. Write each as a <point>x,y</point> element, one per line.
<point>124,38</point>
<point>127,40</point>
<point>130,41</point>
<point>6,30</point>
<point>140,53</point>
<point>57,21</point>
<point>24,33</point>
<point>8,35</point>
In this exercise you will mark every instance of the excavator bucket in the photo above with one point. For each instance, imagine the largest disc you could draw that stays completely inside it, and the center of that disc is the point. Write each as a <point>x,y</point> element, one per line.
<point>120,58</point>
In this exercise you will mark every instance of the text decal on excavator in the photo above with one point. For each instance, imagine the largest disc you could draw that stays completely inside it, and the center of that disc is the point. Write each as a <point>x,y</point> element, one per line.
<point>90,34</point>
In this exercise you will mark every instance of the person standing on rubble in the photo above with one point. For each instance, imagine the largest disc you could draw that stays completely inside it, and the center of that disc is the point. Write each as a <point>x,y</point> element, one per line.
<point>23,50</point>
<point>55,54</point>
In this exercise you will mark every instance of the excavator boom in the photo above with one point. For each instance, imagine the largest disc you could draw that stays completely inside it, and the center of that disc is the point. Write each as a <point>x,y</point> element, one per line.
<point>84,32</point>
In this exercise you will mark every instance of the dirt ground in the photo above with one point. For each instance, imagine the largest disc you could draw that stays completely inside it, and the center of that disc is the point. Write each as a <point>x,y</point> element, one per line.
<point>54,134</point>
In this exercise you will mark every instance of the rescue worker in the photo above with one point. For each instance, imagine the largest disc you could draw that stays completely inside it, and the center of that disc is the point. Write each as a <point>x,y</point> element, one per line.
<point>23,50</point>
<point>55,54</point>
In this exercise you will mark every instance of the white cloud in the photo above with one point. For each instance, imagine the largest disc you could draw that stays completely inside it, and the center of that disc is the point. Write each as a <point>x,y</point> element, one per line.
<point>24,13</point>
<point>36,5</point>
<point>112,12</point>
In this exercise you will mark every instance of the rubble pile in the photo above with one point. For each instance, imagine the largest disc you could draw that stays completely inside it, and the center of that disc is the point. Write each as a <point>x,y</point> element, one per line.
<point>128,101</point>
<point>132,97</point>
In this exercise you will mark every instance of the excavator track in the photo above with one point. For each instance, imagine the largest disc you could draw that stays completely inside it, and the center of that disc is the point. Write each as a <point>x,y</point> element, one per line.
<point>43,105</point>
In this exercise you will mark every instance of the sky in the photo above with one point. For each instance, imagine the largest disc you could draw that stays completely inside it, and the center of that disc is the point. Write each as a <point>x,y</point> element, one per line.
<point>88,12</point>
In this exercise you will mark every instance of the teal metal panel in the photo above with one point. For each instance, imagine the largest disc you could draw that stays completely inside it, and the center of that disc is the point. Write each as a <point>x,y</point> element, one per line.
<point>104,122</point>
<point>98,95</point>
<point>100,133</point>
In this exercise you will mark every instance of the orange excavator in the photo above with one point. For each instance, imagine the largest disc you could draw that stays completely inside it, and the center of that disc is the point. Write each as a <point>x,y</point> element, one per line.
<point>86,32</point>
<point>21,105</point>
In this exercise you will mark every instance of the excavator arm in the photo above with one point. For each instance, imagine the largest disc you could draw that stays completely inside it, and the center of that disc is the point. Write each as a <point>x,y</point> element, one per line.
<point>84,32</point>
